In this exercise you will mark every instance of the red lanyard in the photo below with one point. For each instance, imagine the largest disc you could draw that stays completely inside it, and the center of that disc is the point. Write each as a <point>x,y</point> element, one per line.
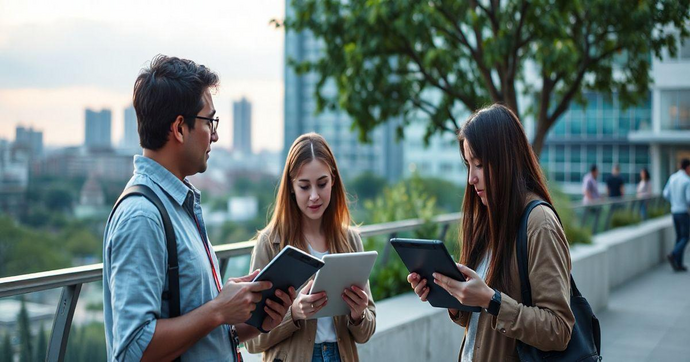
<point>208,253</point>
<point>217,280</point>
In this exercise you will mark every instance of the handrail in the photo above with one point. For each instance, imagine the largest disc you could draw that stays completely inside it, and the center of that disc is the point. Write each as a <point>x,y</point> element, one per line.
<point>612,201</point>
<point>72,279</point>
<point>29,283</point>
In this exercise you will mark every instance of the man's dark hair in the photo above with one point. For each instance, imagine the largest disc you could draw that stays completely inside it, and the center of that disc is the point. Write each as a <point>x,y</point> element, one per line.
<point>593,168</point>
<point>168,88</point>
<point>684,164</point>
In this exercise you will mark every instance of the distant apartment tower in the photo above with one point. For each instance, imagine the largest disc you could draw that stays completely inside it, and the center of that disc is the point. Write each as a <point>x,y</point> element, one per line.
<point>242,126</point>
<point>383,156</point>
<point>98,129</point>
<point>130,139</point>
<point>29,139</point>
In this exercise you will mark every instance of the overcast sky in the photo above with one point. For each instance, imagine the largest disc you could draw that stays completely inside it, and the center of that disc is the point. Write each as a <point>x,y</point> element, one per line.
<point>59,57</point>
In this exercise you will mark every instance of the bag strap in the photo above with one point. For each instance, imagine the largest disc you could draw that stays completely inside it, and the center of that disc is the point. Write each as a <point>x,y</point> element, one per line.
<point>173,268</point>
<point>522,254</point>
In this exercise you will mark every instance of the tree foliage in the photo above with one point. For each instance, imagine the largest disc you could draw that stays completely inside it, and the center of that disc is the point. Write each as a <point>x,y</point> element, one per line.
<point>6,353</point>
<point>25,338</point>
<point>439,58</point>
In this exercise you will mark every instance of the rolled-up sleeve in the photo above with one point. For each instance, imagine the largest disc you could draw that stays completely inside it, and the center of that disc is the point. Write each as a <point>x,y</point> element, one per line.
<point>138,259</point>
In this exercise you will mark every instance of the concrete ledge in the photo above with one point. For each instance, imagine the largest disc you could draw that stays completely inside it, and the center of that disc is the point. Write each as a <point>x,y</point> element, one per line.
<point>409,330</point>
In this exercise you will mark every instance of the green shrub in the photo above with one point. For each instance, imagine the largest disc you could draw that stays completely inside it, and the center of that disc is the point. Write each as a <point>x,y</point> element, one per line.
<point>654,212</point>
<point>622,218</point>
<point>574,232</point>
<point>404,200</point>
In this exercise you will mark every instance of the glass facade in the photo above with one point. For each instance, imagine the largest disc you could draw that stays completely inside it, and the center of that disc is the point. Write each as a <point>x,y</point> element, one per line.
<point>383,156</point>
<point>675,109</point>
<point>596,133</point>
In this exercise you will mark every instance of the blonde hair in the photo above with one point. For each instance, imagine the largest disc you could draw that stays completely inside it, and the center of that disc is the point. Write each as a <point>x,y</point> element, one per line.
<point>286,221</point>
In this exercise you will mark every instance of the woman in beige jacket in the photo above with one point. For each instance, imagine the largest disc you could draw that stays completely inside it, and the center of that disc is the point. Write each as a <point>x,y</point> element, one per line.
<point>311,213</point>
<point>503,177</point>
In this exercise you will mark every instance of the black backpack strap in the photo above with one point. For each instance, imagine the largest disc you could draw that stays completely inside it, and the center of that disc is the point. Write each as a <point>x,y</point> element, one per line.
<point>173,268</point>
<point>522,254</point>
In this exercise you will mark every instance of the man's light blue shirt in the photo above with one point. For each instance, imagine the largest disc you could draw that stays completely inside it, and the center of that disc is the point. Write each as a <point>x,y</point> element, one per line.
<point>677,192</point>
<point>135,261</point>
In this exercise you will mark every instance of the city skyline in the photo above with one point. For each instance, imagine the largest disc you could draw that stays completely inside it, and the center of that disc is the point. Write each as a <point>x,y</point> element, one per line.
<point>54,64</point>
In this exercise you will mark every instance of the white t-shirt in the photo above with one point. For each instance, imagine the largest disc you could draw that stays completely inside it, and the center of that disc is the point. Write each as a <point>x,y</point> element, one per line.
<point>325,328</point>
<point>468,350</point>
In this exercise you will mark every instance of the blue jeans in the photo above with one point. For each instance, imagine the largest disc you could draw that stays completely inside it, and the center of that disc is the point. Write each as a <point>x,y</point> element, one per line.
<point>681,222</point>
<point>326,352</point>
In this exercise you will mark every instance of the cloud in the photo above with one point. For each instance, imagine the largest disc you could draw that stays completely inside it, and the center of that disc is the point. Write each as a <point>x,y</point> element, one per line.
<point>80,52</point>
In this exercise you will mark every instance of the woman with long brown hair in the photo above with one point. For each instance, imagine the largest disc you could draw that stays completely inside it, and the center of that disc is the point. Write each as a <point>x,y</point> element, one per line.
<point>503,177</point>
<point>311,213</point>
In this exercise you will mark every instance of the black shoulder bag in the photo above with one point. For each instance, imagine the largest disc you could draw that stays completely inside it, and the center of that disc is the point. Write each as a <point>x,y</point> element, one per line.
<point>585,339</point>
<point>173,293</point>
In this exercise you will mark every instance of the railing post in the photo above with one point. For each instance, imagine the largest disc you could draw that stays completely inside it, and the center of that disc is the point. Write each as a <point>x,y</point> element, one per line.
<point>597,213</point>
<point>63,323</point>
<point>223,267</point>
<point>444,231</point>
<point>387,249</point>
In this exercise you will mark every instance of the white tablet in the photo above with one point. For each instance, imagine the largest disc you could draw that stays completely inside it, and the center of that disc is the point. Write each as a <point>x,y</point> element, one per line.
<point>339,272</point>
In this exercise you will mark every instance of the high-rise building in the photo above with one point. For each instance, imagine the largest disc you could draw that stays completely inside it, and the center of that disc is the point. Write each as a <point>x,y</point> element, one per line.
<point>98,129</point>
<point>130,139</point>
<point>383,156</point>
<point>29,139</point>
<point>669,134</point>
<point>596,134</point>
<point>242,126</point>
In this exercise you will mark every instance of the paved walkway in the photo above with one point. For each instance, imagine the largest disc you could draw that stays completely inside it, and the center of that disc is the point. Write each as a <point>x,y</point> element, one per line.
<point>648,319</point>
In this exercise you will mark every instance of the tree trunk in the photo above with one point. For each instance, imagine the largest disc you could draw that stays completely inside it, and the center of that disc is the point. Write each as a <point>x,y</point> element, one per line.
<point>539,136</point>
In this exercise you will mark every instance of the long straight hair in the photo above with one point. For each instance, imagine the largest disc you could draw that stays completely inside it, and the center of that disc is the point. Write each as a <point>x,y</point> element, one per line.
<point>286,221</point>
<point>511,171</point>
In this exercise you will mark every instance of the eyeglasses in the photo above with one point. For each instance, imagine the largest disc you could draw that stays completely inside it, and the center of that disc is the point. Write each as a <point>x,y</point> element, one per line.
<point>213,122</point>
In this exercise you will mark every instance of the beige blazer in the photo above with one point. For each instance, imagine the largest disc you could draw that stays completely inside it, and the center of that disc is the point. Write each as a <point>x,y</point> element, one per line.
<point>294,341</point>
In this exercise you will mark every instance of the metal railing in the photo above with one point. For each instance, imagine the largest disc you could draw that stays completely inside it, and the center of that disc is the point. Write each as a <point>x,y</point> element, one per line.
<point>71,280</point>
<point>591,212</point>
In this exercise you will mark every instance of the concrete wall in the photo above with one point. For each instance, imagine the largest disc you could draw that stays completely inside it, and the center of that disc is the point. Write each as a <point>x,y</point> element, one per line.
<point>408,330</point>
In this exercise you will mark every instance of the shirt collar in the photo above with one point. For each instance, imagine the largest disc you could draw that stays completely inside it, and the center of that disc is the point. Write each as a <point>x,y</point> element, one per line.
<point>160,175</point>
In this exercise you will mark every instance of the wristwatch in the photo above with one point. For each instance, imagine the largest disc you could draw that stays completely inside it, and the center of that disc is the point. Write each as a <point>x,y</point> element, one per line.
<point>495,303</point>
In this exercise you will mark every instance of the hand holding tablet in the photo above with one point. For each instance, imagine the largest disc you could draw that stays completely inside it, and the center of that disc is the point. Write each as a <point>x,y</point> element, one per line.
<point>290,268</point>
<point>426,257</point>
<point>338,276</point>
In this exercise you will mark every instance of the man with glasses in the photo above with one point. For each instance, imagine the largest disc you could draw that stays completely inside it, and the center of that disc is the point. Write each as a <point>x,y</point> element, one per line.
<point>177,126</point>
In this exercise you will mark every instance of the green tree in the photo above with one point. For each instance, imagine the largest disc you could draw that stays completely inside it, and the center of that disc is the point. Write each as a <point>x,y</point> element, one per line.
<point>437,58</point>
<point>59,199</point>
<point>41,344</point>
<point>366,186</point>
<point>405,200</point>
<point>25,349</point>
<point>6,354</point>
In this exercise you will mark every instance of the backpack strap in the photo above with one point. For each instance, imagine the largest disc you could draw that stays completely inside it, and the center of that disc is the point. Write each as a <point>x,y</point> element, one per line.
<point>522,254</point>
<point>173,293</point>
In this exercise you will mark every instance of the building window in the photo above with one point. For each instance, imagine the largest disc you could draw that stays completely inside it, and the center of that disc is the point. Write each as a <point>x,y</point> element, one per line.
<point>560,153</point>
<point>642,155</point>
<point>675,109</point>
<point>591,155</point>
<point>684,49</point>
<point>575,154</point>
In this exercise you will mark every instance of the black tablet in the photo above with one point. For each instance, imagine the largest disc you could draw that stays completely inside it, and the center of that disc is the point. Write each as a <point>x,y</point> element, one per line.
<point>426,257</point>
<point>290,268</point>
